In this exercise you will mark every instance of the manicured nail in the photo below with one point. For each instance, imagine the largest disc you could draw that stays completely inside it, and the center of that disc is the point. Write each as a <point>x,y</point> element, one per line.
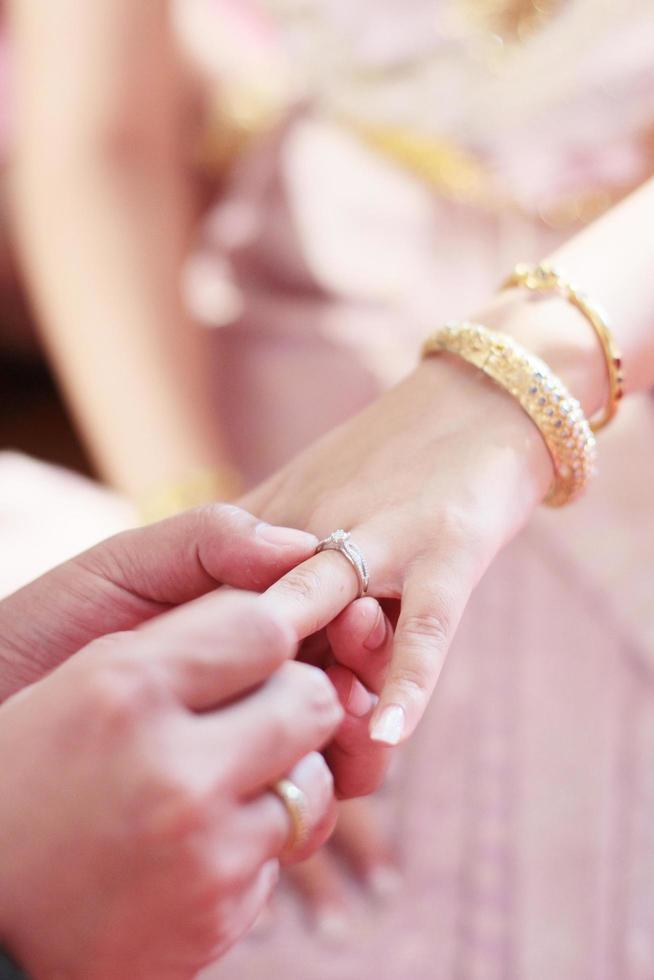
<point>377,635</point>
<point>388,726</point>
<point>384,881</point>
<point>286,537</point>
<point>359,700</point>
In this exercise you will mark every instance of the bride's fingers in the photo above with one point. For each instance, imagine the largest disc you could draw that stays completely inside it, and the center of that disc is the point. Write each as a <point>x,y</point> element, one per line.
<point>435,594</point>
<point>313,593</point>
<point>361,638</point>
<point>357,763</point>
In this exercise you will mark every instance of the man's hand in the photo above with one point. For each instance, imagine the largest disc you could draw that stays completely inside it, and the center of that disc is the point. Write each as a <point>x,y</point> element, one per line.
<point>137,834</point>
<point>134,576</point>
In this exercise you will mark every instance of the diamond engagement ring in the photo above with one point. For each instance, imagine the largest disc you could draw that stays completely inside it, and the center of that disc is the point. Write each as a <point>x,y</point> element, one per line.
<point>341,541</point>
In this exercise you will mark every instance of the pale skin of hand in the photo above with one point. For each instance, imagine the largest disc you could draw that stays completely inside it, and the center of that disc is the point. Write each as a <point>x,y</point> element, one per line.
<point>142,839</point>
<point>440,472</point>
<point>131,578</point>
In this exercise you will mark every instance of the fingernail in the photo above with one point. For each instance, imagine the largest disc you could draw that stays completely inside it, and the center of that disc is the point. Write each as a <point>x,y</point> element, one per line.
<point>377,634</point>
<point>310,768</point>
<point>384,881</point>
<point>359,701</point>
<point>388,726</point>
<point>286,537</point>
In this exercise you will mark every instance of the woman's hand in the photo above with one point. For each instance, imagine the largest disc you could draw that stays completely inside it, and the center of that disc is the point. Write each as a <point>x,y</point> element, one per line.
<point>360,642</point>
<point>431,480</point>
<point>138,836</point>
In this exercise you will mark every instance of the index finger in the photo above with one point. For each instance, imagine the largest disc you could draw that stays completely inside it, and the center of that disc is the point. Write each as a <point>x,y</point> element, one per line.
<point>312,594</point>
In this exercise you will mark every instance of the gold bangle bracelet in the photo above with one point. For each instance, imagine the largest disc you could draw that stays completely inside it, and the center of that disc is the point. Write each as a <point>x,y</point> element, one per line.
<point>557,415</point>
<point>201,487</point>
<point>546,278</point>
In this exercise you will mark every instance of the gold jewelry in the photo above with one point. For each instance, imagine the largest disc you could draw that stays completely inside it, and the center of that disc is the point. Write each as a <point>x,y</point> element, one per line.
<point>546,278</point>
<point>297,807</point>
<point>557,415</point>
<point>201,487</point>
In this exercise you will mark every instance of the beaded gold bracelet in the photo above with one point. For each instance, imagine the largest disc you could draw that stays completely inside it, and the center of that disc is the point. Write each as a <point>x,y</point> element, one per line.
<point>546,278</point>
<point>557,415</point>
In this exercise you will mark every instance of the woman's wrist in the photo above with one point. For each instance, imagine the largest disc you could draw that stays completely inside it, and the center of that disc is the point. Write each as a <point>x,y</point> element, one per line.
<point>557,332</point>
<point>492,417</point>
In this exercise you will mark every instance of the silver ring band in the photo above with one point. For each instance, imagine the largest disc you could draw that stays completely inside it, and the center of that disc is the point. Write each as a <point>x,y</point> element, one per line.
<point>341,541</point>
<point>297,807</point>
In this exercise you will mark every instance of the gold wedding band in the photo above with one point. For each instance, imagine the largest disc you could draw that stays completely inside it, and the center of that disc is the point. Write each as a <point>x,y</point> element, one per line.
<point>297,807</point>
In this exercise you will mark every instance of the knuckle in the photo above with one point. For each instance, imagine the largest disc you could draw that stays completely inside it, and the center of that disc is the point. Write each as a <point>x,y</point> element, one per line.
<point>278,634</point>
<point>112,695</point>
<point>302,583</point>
<point>211,523</point>
<point>412,681</point>
<point>117,688</point>
<point>423,639</point>
<point>456,527</point>
<point>219,515</point>
<point>315,689</point>
<point>312,693</point>
<point>173,811</point>
<point>428,631</point>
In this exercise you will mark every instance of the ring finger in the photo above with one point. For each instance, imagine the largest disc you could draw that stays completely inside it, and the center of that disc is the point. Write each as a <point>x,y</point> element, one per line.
<point>314,780</point>
<point>312,594</point>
